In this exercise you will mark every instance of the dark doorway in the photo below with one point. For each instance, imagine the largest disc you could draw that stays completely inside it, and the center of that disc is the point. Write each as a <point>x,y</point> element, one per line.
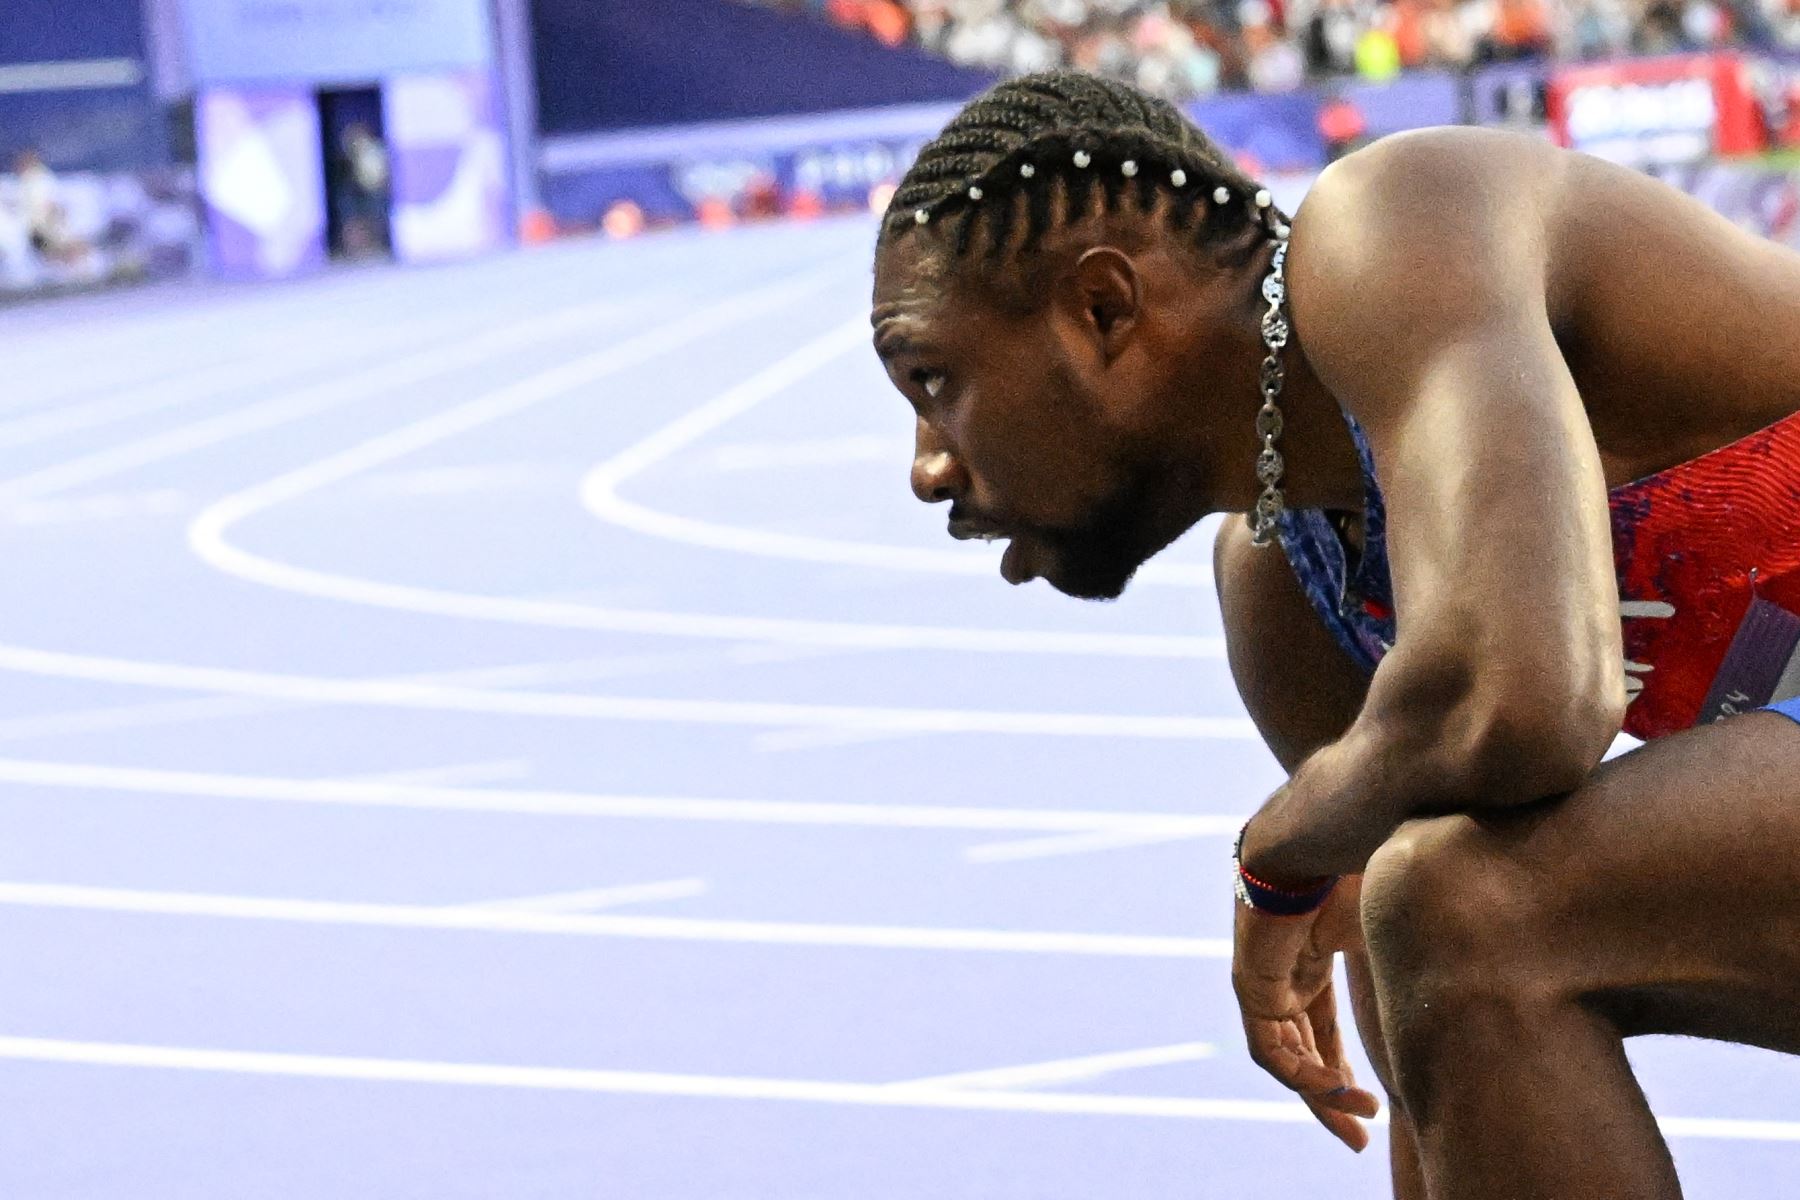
<point>357,173</point>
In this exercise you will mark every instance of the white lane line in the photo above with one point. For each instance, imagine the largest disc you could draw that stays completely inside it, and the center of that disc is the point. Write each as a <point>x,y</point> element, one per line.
<point>1067,1070</point>
<point>209,540</point>
<point>1101,839</point>
<point>595,899</point>
<point>600,491</point>
<point>677,929</point>
<point>208,380</point>
<point>128,716</point>
<point>487,771</point>
<point>786,740</point>
<point>361,383</point>
<point>638,1083</point>
<point>105,506</point>
<point>353,793</point>
<point>164,712</point>
<point>314,689</point>
<point>737,1087</point>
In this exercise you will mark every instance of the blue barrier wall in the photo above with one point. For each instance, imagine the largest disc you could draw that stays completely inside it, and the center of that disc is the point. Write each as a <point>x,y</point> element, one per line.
<point>74,86</point>
<point>613,64</point>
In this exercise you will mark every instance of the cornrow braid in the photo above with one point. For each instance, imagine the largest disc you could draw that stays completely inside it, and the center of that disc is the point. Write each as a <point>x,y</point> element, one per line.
<point>1036,134</point>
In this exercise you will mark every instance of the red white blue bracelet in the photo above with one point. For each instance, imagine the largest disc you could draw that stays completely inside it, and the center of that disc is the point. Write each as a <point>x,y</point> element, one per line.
<point>1263,897</point>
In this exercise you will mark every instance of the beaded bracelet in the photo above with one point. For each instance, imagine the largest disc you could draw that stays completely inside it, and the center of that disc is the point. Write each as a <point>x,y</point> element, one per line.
<point>1266,898</point>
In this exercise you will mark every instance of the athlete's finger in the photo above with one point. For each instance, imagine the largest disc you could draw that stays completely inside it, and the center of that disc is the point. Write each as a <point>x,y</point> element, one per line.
<point>1344,1127</point>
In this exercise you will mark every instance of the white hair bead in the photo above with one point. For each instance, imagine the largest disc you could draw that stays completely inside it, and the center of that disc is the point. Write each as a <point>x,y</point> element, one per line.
<point>1082,159</point>
<point>1263,199</point>
<point>1178,177</point>
<point>922,216</point>
<point>1221,194</point>
<point>1128,168</point>
<point>1282,229</point>
<point>975,193</point>
<point>1026,170</point>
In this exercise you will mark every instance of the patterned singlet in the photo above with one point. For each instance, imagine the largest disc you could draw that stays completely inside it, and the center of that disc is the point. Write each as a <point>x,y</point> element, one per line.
<point>1708,561</point>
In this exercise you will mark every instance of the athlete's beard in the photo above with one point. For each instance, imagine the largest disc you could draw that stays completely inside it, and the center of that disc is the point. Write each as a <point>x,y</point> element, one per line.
<point>1097,559</point>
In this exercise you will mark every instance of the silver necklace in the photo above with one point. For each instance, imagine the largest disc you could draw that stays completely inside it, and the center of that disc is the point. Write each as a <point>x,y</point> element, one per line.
<point>1265,517</point>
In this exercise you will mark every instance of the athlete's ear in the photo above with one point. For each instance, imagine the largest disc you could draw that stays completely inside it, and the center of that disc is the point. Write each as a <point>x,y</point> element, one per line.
<point>1107,293</point>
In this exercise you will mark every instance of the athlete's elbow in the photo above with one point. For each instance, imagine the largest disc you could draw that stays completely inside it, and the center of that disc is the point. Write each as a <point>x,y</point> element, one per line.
<point>1468,734</point>
<point>1543,743</point>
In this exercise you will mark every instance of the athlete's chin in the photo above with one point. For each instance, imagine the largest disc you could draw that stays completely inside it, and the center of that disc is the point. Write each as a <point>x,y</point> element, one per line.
<point>1084,577</point>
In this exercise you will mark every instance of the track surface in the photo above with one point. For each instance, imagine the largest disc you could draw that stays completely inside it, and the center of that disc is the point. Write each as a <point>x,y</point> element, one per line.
<point>506,731</point>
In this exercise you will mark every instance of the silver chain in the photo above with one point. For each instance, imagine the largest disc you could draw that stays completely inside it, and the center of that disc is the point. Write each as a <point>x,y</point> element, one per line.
<point>1265,517</point>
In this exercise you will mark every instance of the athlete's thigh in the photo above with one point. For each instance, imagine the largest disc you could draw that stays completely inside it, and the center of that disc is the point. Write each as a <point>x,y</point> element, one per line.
<point>1666,890</point>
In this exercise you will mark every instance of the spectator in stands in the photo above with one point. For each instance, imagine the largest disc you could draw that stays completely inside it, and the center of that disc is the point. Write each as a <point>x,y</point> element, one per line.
<point>362,193</point>
<point>1178,49</point>
<point>45,217</point>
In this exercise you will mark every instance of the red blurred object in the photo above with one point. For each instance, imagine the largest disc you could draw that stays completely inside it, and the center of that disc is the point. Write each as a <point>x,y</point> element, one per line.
<point>536,227</point>
<point>1341,122</point>
<point>806,204</point>
<point>1657,110</point>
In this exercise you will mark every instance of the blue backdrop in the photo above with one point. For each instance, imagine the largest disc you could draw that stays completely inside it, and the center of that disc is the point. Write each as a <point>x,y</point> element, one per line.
<point>612,64</point>
<point>92,128</point>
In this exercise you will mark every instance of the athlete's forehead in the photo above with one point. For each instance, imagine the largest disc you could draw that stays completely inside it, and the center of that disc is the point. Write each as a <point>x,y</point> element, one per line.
<point>911,294</point>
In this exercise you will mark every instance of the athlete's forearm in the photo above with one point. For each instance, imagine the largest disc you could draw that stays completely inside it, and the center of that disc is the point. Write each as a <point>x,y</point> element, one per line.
<point>1347,799</point>
<point>1333,813</point>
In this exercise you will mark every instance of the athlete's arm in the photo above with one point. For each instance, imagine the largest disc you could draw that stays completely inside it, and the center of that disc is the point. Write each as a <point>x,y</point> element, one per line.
<point>1420,299</point>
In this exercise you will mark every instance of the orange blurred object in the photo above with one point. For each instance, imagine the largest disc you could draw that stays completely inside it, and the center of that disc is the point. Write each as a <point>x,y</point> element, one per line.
<point>806,204</point>
<point>715,213</point>
<point>623,220</point>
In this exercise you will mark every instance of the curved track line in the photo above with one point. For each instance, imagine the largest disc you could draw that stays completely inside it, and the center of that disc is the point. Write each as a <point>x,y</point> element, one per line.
<point>208,532</point>
<point>321,396</point>
<point>600,495</point>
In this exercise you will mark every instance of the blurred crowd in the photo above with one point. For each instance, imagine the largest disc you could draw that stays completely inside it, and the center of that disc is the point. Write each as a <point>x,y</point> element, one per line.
<point>1186,48</point>
<point>84,229</point>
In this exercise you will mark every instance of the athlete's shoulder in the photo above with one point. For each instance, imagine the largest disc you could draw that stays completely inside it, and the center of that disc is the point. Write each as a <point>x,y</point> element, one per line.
<point>1454,175</point>
<point>1404,247</point>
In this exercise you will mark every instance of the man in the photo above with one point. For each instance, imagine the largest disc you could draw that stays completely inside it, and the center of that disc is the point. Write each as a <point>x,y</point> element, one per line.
<point>1516,428</point>
<point>40,203</point>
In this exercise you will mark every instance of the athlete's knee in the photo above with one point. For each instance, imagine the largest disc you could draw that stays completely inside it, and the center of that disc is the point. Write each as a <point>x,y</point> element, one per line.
<point>1430,893</point>
<point>1456,937</point>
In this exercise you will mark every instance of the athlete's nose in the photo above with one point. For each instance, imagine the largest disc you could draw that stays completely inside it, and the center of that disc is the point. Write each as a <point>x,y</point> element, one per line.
<point>937,474</point>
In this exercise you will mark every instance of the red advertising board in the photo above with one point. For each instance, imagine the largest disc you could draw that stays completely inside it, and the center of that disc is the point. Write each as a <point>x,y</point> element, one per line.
<point>1655,111</point>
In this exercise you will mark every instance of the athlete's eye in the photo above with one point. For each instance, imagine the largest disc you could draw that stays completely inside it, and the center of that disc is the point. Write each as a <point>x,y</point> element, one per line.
<point>931,381</point>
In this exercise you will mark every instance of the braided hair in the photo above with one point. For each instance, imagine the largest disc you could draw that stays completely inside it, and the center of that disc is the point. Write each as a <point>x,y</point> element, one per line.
<point>1032,136</point>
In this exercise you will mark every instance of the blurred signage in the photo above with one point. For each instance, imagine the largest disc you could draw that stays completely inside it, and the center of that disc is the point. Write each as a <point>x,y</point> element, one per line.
<point>308,41</point>
<point>1650,112</point>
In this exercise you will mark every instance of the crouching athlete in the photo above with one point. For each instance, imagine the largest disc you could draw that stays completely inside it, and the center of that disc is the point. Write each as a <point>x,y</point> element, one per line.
<point>1515,433</point>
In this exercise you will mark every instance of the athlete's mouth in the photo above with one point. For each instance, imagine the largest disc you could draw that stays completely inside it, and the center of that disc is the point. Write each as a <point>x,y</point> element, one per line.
<point>1014,565</point>
<point>965,529</point>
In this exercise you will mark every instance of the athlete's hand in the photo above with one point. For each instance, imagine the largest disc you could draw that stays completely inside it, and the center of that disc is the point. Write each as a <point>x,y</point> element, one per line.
<point>1281,969</point>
